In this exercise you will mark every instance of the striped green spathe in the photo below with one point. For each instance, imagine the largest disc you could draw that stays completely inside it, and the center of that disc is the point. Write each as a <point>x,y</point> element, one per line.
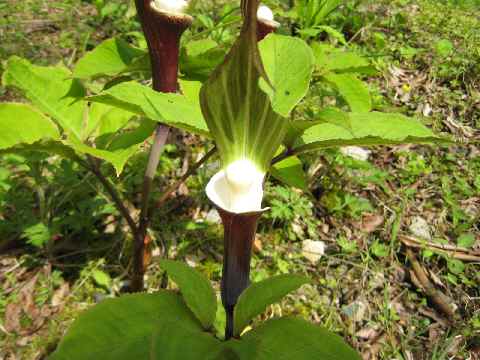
<point>238,113</point>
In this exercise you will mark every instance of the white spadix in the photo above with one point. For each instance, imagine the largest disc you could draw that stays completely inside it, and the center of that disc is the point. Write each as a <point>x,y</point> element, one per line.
<point>238,188</point>
<point>170,6</point>
<point>264,13</point>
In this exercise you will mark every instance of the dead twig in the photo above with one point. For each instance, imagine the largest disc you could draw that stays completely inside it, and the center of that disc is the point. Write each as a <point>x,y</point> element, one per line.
<point>420,278</point>
<point>455,252</point>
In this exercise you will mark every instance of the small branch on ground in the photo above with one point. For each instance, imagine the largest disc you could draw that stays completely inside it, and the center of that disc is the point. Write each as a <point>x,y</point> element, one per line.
<point>420,278</point>
<point>455,252</point>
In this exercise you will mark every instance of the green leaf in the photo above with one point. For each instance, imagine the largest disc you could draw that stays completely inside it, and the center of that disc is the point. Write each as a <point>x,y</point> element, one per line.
<point>105,120</point>
<point>196,290</point>
<point>289,64</point>
<point>47,146</point>
<point>334,33</point>
<point>37,235</point>
<point>119,149</point>
<point>368,129</point>
<point>127,328</point>
<point>314,12</point>
<point>172,109</point>
<point>332,115</point>
<point>466,240</point>
<point>328,115</point>
<point>353,91</point>
<point>290,171</point>
<point>329,58</point>
<point>444,47</point>
<point>102,278</point>
<point>455,266</point>
<point>50,89</point>
<point>255,299</point>
<point>238,113</point>
<point>191,90</point>
<point>291,338</point>
<point>199,58</point>
<point>22,124</point>
<point>176,341</point>
<point>111,57</point>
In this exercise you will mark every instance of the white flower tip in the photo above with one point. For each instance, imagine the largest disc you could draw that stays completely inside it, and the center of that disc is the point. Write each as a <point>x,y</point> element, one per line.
<point>240,175</point>
<point>170,6</point>
<point>238,188</point>
<point>264,13</point>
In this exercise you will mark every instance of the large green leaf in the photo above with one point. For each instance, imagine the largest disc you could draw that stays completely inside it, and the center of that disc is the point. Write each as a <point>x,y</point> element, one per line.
<point>329,58</point>
<point>238,113</point>
<point>191,90</point>
<point>291,338</point>
<point>290,171</point>
<point>353,91</point>
<point>289,63</point>
<point>196,290</point>
<point>104,120</point>
<point>22,124</point>
<point>50,147</point>
<point>328,115</point>
<point>118,150</point>
<point>255,299</point>
<point>111,57</point>
<point>368,129</point>
<point>172,109</point>
<point>50,89</point>
<point>129,327</point>
<point>176,341</point>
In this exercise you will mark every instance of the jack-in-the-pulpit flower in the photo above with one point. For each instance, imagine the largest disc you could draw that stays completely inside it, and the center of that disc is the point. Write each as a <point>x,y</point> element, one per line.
<point>266,22</point>
<point>247,132</point>
<point>245,128</point>
<point>163,23</point>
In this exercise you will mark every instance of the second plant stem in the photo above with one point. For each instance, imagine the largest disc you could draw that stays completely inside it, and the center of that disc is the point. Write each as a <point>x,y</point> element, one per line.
<point>160,139</point>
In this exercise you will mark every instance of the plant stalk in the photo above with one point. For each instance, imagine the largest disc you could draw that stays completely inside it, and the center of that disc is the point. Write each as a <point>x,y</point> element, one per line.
<point>141,241</point>
<point>115,196</point>
<point>162,32</point>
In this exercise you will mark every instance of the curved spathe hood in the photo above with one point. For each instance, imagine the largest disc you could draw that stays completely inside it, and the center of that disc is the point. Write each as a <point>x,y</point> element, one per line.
<point>238,188</point>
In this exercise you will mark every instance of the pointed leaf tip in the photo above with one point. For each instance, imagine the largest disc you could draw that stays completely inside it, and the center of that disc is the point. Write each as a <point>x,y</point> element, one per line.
<point>196,290</point>
<point>255,299</point>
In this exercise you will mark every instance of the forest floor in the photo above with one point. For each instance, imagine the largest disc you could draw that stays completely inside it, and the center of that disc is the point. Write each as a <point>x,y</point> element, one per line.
<point>387,230</point>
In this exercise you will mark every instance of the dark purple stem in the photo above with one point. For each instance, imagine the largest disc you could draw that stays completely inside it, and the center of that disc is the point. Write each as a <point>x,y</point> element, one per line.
<point>239,234</point>
<point>162,32</point>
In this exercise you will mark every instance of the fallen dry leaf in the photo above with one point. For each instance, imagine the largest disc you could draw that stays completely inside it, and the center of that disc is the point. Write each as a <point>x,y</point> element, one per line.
<point>257,244</point>
<point>12,317</point>
<point>60,294</point>
<point>367,333</point>
<point>26,298</point>
<point>371,222</point>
